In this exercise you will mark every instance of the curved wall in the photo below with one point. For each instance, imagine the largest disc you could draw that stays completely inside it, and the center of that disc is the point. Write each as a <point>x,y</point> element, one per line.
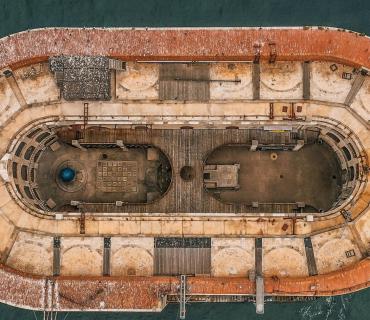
<point>148,293</point>
<point>243,44</point>
<point>341,127</point>
<point>24,164</point>
<point>27,149</point>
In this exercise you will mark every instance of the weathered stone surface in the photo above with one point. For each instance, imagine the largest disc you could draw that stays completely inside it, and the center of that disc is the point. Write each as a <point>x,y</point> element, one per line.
<point>26,243</point>
<point>82,77</point>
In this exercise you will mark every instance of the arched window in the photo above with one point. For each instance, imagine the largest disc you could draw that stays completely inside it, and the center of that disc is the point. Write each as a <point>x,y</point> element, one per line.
<point>29,152</point>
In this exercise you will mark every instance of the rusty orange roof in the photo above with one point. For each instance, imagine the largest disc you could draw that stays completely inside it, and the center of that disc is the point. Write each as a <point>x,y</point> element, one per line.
<point>146,293</point>
<point>188,44</point>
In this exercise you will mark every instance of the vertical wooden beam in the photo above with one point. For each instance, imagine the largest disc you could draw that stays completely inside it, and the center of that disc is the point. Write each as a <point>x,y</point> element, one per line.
<point>256,75</point>
<point>106,257</point>
<point>310,256</point>
<point>306,80</point>
<point>56,256</point>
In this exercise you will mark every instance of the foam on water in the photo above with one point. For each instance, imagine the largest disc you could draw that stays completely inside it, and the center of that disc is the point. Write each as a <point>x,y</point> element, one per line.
<point>330,308</point>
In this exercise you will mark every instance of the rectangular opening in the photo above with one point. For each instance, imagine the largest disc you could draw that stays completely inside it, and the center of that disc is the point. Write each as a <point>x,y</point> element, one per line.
<point>347,75</point>
<point>14,170</point>
<point>19,149</point>
<point>350,253</point>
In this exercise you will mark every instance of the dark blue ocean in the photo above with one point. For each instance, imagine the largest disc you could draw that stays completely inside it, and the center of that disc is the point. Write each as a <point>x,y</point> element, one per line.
<point>19,15</point>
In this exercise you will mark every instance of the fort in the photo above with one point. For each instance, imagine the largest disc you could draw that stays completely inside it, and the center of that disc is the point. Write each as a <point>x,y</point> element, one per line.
<point>141,167</point>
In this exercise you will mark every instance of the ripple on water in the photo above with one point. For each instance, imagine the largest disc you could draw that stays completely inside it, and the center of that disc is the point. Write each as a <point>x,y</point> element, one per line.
<point>329,308</point>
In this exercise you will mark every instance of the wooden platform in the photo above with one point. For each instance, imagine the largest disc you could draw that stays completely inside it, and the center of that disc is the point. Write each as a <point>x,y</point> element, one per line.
<point>177,256</point>
<point>180,81</point>
<point>188,147</point>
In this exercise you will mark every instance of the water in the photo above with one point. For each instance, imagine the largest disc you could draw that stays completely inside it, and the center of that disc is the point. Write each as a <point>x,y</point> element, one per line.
<point>352,306</point>
<point>18,15</point>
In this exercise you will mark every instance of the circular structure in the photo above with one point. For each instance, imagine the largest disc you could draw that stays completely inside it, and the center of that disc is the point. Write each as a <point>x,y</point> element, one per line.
<point>70,175</point>
<point>67,174</point>
<point>187,173</point>
<point>273,156</point>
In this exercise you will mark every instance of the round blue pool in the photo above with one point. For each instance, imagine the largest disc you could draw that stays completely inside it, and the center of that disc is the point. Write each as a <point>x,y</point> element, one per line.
<point>67,174</point>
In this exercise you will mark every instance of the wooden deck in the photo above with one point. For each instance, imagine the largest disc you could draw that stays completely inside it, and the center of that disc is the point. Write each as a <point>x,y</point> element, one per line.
<point>187,147</point>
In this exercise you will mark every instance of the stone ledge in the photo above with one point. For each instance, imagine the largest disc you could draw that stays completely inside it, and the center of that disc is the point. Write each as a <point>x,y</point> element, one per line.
<point>144,293</point>
<point>164,44</point>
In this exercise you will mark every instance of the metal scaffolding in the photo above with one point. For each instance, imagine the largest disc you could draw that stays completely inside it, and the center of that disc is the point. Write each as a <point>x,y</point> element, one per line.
<point>183,297</point>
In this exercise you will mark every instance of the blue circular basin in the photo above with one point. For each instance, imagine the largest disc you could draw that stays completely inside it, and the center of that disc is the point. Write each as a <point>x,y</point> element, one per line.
<point>67,174</point>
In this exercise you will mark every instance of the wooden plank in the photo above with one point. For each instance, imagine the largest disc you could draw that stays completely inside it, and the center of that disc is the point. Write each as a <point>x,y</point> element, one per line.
<point>258,257</point>
<point>177,261</point>
<point>306,80</point>
<point>56,256</point>
<point>106,256</point>
<point>180,81</point>
<point>256,78</point>
<point>311,261</point>
<point>355,88</point>
<point>188,147</point>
